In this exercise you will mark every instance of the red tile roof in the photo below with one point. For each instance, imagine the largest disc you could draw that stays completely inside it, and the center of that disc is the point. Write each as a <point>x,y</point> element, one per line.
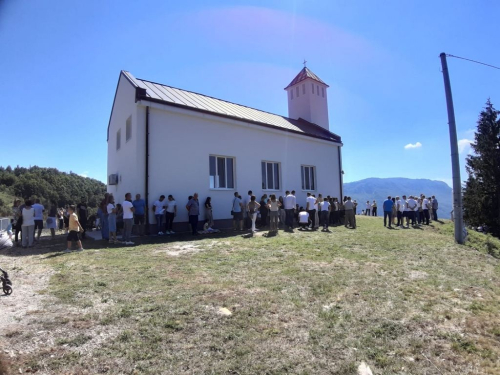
<point>304,74</point>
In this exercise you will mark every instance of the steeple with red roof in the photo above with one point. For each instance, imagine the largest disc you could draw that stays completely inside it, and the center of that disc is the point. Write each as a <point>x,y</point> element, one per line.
<point>307,98</point>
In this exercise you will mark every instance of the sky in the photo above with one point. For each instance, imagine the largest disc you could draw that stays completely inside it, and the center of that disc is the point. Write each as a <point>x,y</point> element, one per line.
<point>61,61</point>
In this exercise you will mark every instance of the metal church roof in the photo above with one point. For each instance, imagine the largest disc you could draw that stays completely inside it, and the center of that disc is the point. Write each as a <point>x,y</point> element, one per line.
<point>168,95</point>
<point>304,74</point>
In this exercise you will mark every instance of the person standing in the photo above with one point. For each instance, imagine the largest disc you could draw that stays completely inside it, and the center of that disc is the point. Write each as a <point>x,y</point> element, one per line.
<point>139,213</point>
<point>159,210</point>
<point>193,208</point>
<point>289,202</point>
<point>310,202</point>
<point>368,208</point>
<point>273,206</point>
<point>349,213</point>
<point>74,227</point>
<point>39,210</point>
<point>388,204</point>
<point>412,206</point>
<point>434,206</point>
<point>325,213</point>
<point>28,226</point>
<point>111,211</point>
<point>128,219</point>
<point>264,211</point>
<point>171,208</point>
<point>425,209</point>
<point>246,216</point>
<point>18,219</point>
<point>82,212</point>
<point>237,212</point>
<point>209,215</point>
<point>104,217</point>
<point>52,220</point>
<point>252,209</point>
<point>394,211</point>
<point>374,208</point>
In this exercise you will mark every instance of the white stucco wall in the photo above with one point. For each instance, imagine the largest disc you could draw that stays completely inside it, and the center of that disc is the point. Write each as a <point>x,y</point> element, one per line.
<point>182,141</point>
<point>128,161</point>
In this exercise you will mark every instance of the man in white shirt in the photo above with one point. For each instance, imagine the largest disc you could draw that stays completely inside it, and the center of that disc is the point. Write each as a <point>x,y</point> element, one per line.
<point>425,209</point>
<point>39,210</point>
<point>325,213</point>
<point>128,218</point>
<point>303,219</point>
<point>171,213</point>
<point>289,203</point>
<point>310,202</point>
<point>400,207</point>
<point>412,206</point>
<point>159,209</point>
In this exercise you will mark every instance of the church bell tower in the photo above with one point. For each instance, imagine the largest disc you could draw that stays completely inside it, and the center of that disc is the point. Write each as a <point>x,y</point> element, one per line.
<point>307,98</point>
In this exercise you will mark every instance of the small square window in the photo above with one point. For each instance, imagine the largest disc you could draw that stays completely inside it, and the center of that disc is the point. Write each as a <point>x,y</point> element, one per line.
<point>221,171</point>
<point>128,129</point>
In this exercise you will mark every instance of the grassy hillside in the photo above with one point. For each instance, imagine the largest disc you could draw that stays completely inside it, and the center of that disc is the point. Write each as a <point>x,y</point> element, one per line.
<point>380,188</point>
<point>406,301</point>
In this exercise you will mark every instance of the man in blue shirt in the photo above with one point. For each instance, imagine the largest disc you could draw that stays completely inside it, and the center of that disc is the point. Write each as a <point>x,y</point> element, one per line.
<point>139,212</point>
<point>388,211</point>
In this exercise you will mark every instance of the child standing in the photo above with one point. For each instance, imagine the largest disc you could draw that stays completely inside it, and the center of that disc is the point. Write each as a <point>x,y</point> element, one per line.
<point>74,227</point>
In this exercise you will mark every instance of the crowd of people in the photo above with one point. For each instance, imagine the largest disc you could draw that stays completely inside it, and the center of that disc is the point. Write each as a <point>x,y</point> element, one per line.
<point>27,221</point>
<point>267,213</point>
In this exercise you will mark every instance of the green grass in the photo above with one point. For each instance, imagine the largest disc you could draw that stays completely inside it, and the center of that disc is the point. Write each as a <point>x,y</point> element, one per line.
<point>404,301</point>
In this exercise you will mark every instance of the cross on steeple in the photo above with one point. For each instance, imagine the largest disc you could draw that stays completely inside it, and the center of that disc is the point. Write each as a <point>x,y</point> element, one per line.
<point>305,63</point>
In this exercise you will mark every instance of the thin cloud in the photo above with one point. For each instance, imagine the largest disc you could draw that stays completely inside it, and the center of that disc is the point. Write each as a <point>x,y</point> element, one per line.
<point>84,174</point>
<point>464,145</point>
<point>413,145</point>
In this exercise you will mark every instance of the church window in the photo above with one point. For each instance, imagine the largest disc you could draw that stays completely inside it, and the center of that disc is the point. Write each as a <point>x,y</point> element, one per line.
<point>128,129</point>
<point>297,91</point>
<point>308,177</point>
<point>317,89</point>
<point>303,88</point>
<point>221,172</point>
<point>118,139</point>
<point>270,175</point>
<point>312,87</point>
<point>323,92</point>
<point>291,92</point>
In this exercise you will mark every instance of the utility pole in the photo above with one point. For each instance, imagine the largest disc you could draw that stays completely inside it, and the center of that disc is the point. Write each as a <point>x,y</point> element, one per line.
<point>455,162</point>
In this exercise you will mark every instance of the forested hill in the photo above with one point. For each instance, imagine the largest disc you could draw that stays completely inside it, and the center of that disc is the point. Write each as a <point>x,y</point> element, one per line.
<point>380,188</point>
<point>49,185</point>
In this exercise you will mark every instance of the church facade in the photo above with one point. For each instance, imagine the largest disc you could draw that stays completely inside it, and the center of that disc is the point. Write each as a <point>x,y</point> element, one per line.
<point>165,140</point>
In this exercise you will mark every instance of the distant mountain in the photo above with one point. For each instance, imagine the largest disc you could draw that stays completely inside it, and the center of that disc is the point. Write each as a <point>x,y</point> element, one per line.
<point>379,188</point>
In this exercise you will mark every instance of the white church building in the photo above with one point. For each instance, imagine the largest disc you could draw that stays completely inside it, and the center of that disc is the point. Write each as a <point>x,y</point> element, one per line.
<point>165,140</point>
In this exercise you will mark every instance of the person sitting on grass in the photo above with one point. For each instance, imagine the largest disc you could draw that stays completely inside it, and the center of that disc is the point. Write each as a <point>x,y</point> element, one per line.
<point>74,228</point>
<point>304,220</point>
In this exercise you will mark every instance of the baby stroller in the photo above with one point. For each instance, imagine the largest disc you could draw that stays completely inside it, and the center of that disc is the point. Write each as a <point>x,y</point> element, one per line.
<point>6,283</point>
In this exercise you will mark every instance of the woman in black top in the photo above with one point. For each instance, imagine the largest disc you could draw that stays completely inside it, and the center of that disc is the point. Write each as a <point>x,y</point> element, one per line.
<point>263,211</point>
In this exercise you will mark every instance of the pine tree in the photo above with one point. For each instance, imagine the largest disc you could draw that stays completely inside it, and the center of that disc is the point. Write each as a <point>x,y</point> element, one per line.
<point>482,190</point>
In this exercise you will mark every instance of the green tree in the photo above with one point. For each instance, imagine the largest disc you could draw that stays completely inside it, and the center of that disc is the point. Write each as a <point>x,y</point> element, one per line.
<point>482,190</point>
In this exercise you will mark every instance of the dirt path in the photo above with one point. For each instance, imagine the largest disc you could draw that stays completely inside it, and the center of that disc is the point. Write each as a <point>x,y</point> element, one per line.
<point>19,310</point>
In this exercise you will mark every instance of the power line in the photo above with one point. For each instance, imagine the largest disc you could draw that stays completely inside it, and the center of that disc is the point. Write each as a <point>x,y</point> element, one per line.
<point>474,61</point>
